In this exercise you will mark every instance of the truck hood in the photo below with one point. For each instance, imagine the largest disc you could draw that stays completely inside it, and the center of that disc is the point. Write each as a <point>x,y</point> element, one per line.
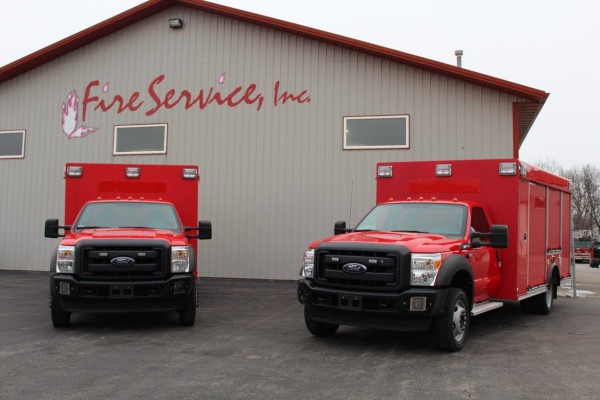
<point>415,242</point>
<point>174,238</point>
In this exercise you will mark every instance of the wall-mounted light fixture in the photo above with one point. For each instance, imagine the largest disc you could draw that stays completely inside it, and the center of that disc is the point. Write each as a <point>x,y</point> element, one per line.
<point>175,23</point>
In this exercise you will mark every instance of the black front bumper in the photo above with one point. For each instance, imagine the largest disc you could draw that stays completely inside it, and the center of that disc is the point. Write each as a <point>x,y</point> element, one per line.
<point>121,296</point>
<point>371,309</point>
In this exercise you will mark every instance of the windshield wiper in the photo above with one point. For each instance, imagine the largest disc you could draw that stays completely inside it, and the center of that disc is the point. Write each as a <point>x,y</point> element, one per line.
<point>407,231</point>
<point>364,230</point>
<point>134,227</point>
<point>90,227</point>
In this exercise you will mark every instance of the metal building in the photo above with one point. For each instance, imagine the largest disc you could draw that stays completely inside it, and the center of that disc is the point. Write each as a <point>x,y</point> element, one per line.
<point>285,122</point>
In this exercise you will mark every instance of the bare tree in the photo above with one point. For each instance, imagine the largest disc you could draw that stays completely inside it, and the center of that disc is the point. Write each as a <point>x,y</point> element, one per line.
<point>578,203</point>
<point>585,193</point>
<point>590,181</point>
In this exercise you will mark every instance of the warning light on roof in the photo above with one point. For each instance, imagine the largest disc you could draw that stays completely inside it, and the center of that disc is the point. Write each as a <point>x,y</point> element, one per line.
<point>132,172</point>
<point>384,171</point>
<point>508,168</point>
<point>189,173</point>
<point>443,170</point>
<point>74,171</point>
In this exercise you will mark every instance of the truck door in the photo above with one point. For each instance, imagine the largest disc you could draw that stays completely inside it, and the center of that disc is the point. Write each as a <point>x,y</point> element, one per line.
<point>483,260</point>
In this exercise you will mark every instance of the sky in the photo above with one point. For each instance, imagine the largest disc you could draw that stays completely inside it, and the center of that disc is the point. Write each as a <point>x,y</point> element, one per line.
<point>549,45</point>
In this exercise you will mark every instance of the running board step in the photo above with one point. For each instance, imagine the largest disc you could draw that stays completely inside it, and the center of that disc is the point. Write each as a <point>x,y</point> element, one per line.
<point>485,307</point>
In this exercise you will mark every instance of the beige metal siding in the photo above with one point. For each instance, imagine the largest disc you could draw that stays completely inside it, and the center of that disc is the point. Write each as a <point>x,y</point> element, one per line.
<point>272,180</point>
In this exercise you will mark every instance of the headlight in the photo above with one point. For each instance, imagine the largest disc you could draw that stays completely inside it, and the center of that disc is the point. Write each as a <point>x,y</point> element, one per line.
<point>65,260</point>
<point>308,265</point>
<point>180,259</point>
<point>424,268</point>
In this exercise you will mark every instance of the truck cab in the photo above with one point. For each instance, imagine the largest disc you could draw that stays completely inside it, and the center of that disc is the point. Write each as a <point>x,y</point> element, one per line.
<point>129,244</point>
<point>446,241</point>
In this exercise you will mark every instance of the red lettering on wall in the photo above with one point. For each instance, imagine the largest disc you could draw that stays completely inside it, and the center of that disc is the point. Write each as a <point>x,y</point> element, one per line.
<point>87,99</point>
<point>284,97</point>
<point>130,105</point>
<point>169,98</point>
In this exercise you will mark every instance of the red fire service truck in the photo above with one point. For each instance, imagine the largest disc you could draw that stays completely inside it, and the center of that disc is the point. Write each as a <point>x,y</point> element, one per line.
<point>447,240</point>
<point>127,241</point>
<point>582,245</point>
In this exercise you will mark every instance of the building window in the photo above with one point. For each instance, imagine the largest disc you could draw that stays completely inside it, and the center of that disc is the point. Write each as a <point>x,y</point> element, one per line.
<point>12,144</point>
<point>140,139</point>
<point>377,132</point>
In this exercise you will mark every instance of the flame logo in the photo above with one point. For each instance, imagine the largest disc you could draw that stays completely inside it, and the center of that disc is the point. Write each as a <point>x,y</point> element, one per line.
<point>70,118</point>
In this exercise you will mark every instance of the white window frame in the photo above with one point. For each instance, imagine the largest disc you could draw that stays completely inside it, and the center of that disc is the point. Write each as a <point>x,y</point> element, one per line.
<point>142,152</point>
<point>405,117</point>
<point>22,155</point>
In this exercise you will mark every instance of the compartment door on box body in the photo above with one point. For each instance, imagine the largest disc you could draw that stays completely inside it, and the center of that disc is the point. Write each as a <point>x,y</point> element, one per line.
<point>554,235</point>
<point>536,265</point>
<point>523,232</point>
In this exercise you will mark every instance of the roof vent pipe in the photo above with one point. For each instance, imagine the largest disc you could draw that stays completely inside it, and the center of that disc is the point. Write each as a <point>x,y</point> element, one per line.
<point>458,54</point>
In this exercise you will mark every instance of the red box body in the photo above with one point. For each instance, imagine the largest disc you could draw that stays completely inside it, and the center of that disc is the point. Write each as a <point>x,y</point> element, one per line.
<point>534,204</point>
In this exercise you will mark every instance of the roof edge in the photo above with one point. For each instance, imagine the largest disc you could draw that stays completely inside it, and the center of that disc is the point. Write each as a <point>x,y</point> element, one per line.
<point>153,6</point>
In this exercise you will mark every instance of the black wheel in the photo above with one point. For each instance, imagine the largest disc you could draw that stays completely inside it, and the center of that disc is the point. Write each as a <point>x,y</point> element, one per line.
<point>541,303</point>
<point>320,329</point>
<point>187,315</point>
<point>452,327</point>
<point>60,318</point>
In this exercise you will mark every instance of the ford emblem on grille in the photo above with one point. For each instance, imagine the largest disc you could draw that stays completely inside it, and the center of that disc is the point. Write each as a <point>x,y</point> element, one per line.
<point>354,268</point>
<point>122,261</point>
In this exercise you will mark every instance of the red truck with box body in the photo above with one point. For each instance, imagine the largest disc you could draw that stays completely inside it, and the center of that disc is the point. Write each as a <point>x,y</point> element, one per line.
<point>128,243</point>
<point>582,245</point>
<point>447,240</point>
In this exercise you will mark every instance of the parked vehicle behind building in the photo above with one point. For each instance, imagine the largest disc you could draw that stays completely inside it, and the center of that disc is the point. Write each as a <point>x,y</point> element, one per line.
<point>447,240</point>
<point>129,241</point>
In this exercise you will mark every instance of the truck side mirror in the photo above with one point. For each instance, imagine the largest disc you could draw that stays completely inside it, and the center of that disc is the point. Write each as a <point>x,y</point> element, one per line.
<point>51,228</point>
<point>204,230</point>
<point>499,236</point>
<point>339,228</point>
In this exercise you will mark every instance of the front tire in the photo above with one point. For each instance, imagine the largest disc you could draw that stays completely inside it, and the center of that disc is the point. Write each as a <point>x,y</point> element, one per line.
<point>60,318</point>
<point>187,315</point>
<point>319,329</point>
<point>452,327</point>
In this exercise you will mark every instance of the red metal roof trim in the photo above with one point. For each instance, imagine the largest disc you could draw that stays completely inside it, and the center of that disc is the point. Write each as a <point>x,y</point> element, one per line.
<point>153,6</point>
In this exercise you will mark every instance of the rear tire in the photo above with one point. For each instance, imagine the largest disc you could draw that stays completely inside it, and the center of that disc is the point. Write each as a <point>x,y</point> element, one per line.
<point>60,318</point>
<point>542,303</point>
<point>319,329</point>
<point>452,327</point>
<point>187,315</point>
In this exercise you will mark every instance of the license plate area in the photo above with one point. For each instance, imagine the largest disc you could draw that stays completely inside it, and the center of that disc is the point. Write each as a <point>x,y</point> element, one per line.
<point>121,291</point>
<point>350,302</point>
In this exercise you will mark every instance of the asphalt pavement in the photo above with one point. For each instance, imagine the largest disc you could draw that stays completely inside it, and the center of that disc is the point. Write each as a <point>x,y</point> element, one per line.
<point>250,342</point>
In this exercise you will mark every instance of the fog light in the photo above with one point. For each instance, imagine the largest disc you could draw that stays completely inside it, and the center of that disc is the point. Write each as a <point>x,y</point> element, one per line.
<point>418,303</point>
<point>64,288</point>
<point>179,287</point>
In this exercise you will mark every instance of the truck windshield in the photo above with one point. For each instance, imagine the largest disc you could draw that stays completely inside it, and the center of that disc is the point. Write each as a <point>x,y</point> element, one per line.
<point>583,243</point>
<point>443,219</point>
<point>128,215</point>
